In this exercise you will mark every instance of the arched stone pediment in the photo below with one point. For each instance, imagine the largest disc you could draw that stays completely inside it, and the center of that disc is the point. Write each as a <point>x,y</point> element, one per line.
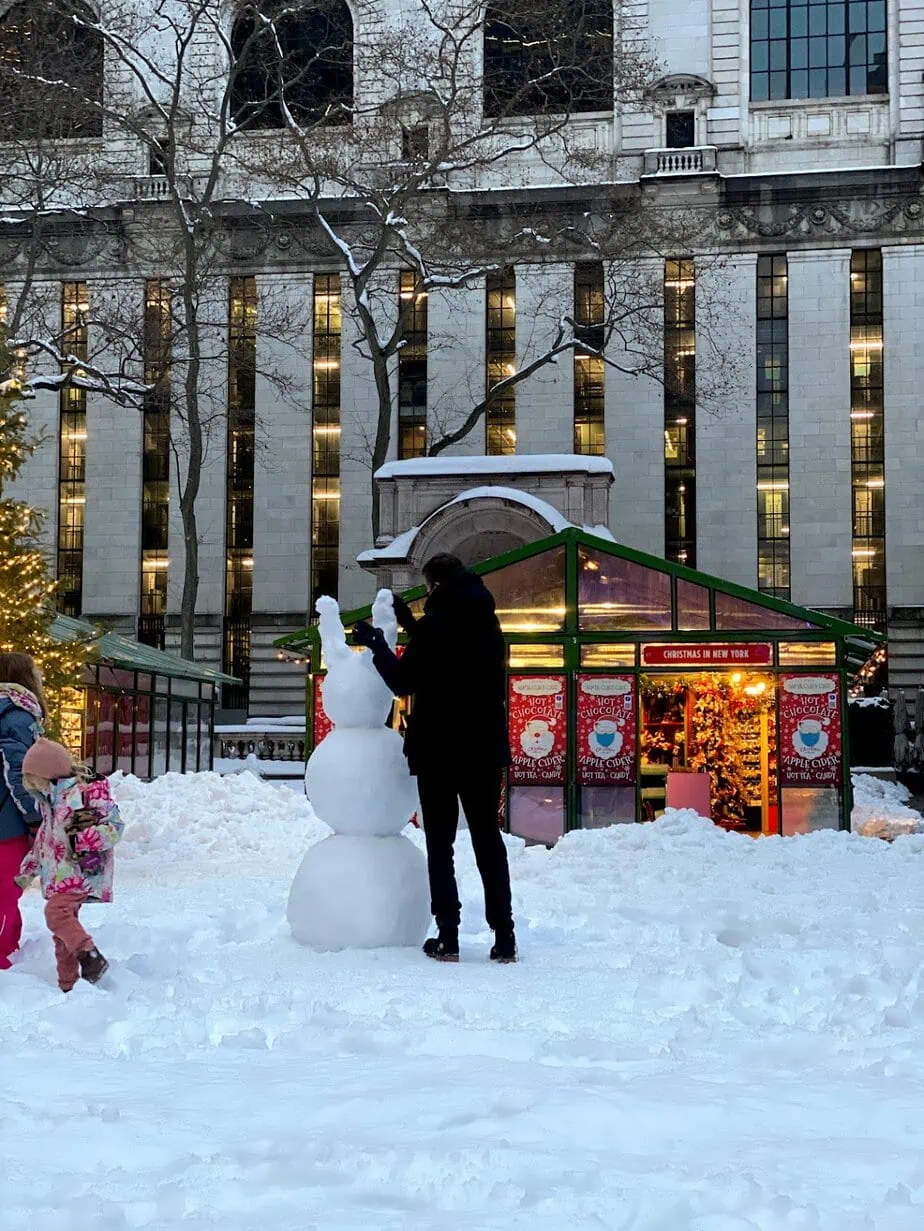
<point>476,527</point>
<point>668,89</point>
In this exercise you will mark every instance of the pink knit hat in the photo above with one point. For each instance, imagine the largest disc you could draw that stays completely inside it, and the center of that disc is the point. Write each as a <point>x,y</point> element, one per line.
<point>46,759</point>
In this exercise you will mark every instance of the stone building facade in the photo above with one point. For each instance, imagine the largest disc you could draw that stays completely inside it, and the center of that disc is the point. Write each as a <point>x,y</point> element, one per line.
<point>802,193</point>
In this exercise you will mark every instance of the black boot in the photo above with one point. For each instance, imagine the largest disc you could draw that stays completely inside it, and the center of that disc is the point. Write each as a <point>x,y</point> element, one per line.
<point>504,948</point>
<point>445,946</point>
<point>92,965</point>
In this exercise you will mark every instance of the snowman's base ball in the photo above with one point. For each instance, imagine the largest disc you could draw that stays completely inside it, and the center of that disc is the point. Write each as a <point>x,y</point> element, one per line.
<point>360,893</point>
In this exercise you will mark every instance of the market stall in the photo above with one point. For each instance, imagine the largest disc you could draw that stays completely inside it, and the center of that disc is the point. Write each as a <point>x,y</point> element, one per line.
<point>139,709</point>
<point>635,684</point>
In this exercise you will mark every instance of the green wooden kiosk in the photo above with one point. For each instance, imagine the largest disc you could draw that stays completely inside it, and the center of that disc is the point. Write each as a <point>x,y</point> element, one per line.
<point>635,684</point>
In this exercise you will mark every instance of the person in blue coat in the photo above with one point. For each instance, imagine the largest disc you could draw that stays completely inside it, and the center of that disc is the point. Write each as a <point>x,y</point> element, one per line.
<point>22,717</point>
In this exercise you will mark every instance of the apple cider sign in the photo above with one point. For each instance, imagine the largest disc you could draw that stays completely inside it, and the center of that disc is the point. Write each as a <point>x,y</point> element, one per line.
<point>810,730</point>
<point>538,728</point>
<point>606,730</point>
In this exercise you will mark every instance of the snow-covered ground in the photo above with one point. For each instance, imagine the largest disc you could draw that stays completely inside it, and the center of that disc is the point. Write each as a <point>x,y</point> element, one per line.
<point>706,1033</point>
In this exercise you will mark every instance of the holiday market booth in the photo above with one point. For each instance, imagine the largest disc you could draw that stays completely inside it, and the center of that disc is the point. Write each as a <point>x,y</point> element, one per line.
<point>139,709</point>
<point>635,685</point>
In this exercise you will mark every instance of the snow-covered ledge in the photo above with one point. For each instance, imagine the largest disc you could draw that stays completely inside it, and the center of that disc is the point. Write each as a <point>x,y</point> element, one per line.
<point>477,507</point>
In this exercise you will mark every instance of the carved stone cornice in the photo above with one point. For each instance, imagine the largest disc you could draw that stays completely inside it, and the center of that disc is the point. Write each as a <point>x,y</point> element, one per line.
<point>845,219</point>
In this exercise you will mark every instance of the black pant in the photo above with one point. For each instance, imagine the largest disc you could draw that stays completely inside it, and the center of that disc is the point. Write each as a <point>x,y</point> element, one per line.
<point>479,792</point>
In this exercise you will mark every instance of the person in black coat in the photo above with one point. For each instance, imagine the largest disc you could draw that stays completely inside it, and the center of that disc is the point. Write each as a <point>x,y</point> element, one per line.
<point>456,740</point>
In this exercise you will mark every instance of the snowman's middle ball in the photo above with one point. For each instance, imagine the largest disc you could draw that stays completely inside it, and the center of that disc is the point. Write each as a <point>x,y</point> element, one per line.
<point>358,782</point>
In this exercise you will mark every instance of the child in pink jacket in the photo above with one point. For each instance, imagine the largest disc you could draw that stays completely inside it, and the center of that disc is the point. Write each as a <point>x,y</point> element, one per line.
<point>72,854</point>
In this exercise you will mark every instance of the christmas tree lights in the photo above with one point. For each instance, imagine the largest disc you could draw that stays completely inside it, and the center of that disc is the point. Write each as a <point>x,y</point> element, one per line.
<point>26,589</point>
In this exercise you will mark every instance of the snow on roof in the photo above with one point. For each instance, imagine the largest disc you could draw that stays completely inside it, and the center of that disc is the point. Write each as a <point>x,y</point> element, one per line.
<point>520,463</point>
<point>542,507</point>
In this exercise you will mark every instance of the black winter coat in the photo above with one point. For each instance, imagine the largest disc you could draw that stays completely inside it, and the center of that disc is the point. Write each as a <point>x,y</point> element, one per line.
<point>454,666</point>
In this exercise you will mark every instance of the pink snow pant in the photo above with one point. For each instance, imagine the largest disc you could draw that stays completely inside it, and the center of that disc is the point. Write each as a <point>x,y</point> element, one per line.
<point>61,912</point>
<point>12,853</point>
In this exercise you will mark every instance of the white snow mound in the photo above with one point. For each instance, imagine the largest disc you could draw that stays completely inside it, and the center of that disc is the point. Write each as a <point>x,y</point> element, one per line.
<point>880,811</point>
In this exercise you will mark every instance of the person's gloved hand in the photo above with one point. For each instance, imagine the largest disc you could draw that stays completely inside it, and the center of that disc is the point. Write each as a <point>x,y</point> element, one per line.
<point>403,614</point>
<point>365,634</point>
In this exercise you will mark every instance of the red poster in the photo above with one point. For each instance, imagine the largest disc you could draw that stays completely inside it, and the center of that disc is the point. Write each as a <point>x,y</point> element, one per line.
<point>538,727</point>
<point>322,724</point>
<point>691,654</point>
<point>810,730</point>
<point>606,730</point>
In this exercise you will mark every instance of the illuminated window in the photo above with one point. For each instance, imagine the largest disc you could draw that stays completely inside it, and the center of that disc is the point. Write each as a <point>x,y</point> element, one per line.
<point>155,463</point>
<point>773,574</point>
<point>412,368</point>
<point>680,411</point>
<point>589,378</point>
<point>72,455</point>
<point>817,48</point>
<point>501,360</point>
<point>325,437</point>
<point>242,372</point>
<point>867,441</point>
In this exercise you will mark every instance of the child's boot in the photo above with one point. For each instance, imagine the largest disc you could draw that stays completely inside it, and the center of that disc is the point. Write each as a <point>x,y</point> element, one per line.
<point>92,965</point>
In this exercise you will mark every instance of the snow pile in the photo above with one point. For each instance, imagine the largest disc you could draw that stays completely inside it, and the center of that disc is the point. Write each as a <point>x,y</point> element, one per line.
<point>880,811</point>
<point>194,821</point>
<point>706,1033</point>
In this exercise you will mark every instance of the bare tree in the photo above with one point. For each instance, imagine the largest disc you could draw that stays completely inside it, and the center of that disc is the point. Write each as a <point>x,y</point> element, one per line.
<point>467,99</point>
<point>171,115</point>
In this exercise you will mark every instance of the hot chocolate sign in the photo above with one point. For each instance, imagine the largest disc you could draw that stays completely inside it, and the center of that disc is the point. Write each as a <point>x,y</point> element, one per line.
<point>538,728</point>
<point>810,730</point>
<point>606,730</point>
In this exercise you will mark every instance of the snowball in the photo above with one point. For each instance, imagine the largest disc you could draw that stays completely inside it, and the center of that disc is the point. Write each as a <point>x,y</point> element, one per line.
<point>358,782</point>
<point>360,893</point>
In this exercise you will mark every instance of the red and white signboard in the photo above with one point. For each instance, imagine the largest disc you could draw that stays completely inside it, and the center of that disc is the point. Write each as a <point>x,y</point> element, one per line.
<point>538,728</point>
<point>727,654</point>
<point>322,724</point>
<point>606,729</point>
<point>810,730</point>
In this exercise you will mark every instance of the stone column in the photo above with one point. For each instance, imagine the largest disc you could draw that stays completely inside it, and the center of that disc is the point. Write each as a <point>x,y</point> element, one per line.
<point>819,428</point>
<point>903,362</point>
<point>545,401</point>
<point>455,364</point>
<point>112,531</point>
<point>211,503</point>
<point>282,490</point>
<point>634,413</point>
<point>726,434</point>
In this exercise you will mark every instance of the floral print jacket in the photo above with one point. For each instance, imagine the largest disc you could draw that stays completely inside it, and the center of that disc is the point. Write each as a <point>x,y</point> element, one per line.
<point>74,860</point>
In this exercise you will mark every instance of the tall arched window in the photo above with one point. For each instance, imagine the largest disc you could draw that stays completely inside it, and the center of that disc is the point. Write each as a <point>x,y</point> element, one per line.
<point>304,58</point>
<point>548,58</point>
<point>42,44</point>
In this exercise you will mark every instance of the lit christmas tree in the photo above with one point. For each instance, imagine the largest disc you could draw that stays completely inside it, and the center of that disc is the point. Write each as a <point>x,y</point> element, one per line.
<point>26,589</point>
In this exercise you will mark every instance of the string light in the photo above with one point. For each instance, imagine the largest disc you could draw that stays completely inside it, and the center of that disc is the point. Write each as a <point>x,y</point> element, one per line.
<point>27,593</point>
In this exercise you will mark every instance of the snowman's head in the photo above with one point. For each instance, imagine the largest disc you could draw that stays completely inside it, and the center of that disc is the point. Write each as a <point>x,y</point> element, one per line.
<point>354,695</point>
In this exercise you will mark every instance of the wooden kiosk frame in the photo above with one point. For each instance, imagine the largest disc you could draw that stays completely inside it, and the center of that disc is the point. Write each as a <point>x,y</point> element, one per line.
<point>577,607</point>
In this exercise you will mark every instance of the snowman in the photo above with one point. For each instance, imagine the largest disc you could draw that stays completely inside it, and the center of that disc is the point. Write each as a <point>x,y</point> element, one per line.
<point>365,886</point>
